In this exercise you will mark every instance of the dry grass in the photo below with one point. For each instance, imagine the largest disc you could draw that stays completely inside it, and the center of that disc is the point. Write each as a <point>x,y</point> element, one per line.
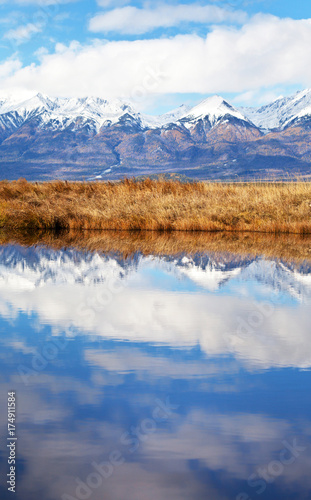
<point>157,205</point>
<point>291,247</point>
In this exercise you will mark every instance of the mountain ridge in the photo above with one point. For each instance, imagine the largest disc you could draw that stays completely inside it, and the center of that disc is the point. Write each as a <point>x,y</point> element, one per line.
<point>75,138</point>
<point>281,112</point>
<point>36,267</point>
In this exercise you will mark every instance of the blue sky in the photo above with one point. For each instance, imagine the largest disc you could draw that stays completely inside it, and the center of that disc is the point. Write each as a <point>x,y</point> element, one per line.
<point>159,55</point>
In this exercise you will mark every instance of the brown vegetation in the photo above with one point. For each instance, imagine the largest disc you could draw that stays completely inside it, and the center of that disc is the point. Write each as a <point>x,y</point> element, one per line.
<point>291,247</point>
<point>157,205</point>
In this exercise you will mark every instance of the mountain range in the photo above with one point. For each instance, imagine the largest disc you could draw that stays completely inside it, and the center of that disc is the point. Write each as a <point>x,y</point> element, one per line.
<point>91,138</point>
<point>28,268</point>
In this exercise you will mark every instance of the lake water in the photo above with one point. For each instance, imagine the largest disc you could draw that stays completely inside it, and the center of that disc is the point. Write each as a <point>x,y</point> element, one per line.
<point>152,378</point>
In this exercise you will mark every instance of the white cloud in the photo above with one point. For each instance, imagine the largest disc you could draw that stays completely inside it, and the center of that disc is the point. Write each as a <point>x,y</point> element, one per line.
<point>9,67</point>
<point>131,20</point>
<point>139,361</point>
<point>265,52</point>
<point>22,34</point>
<point>258,98</point>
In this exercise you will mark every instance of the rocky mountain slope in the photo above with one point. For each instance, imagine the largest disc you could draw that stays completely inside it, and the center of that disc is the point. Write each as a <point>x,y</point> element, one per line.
<point>92,138</point>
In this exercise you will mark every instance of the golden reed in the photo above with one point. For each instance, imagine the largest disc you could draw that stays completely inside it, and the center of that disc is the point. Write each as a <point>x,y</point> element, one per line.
<point>156,206</point>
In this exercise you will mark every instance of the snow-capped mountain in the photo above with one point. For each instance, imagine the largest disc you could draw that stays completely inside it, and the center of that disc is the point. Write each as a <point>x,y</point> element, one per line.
<point>213,109</point>
<point>213,272</point>
<point>28,268</point>
<point>45,138</point>
<point>62,113</point>
<point>282,112</point>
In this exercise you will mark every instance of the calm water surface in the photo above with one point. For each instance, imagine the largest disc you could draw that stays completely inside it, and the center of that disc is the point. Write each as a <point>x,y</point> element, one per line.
<point>147,378</point>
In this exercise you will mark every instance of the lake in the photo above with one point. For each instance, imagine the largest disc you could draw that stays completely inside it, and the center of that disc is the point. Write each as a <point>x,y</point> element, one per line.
<point>182,376</point>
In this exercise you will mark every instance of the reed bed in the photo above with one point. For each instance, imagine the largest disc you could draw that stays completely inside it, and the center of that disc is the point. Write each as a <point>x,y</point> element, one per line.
<point>156,206</point>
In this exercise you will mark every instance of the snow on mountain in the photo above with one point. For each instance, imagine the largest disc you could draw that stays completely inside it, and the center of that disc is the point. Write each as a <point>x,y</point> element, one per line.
<point>14,113</point>
<point>61,113</point>
<point>281,112</point>
<point>167,118</point>
<point>30,268</point>
<point>214,109</point>
<point>2,103</point>
<point>8,104</point>
<point>211,274</point>
<point>35,267</point>
<point>10,121</point>
<point>96,110</point>
<point>33,106</point>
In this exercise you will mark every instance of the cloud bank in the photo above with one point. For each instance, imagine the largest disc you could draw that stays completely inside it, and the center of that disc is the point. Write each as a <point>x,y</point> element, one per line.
<point>265,52</point>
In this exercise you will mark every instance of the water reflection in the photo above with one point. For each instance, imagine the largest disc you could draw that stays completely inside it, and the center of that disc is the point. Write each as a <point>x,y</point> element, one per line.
<point>94,343</point>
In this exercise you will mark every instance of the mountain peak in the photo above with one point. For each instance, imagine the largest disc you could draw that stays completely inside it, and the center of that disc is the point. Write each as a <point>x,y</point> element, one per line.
<point>214,108</point>
<point>35,104</point>
<point>281,112</point>
<point>42,97</point>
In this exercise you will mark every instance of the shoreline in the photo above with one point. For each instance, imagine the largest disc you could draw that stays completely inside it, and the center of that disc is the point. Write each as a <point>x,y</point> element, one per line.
<point>161,206</point>
<point>286,248</point>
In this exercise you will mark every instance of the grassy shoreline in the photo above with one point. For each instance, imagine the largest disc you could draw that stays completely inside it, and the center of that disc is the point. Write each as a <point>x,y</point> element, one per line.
<point>284,247</point>
<point>156,206</point>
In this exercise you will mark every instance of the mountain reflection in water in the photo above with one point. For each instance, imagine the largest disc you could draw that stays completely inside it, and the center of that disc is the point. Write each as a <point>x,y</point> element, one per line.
<point>187,374</point>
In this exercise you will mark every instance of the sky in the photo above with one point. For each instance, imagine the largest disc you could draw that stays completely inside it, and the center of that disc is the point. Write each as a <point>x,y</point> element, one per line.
<point>156,54</point>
